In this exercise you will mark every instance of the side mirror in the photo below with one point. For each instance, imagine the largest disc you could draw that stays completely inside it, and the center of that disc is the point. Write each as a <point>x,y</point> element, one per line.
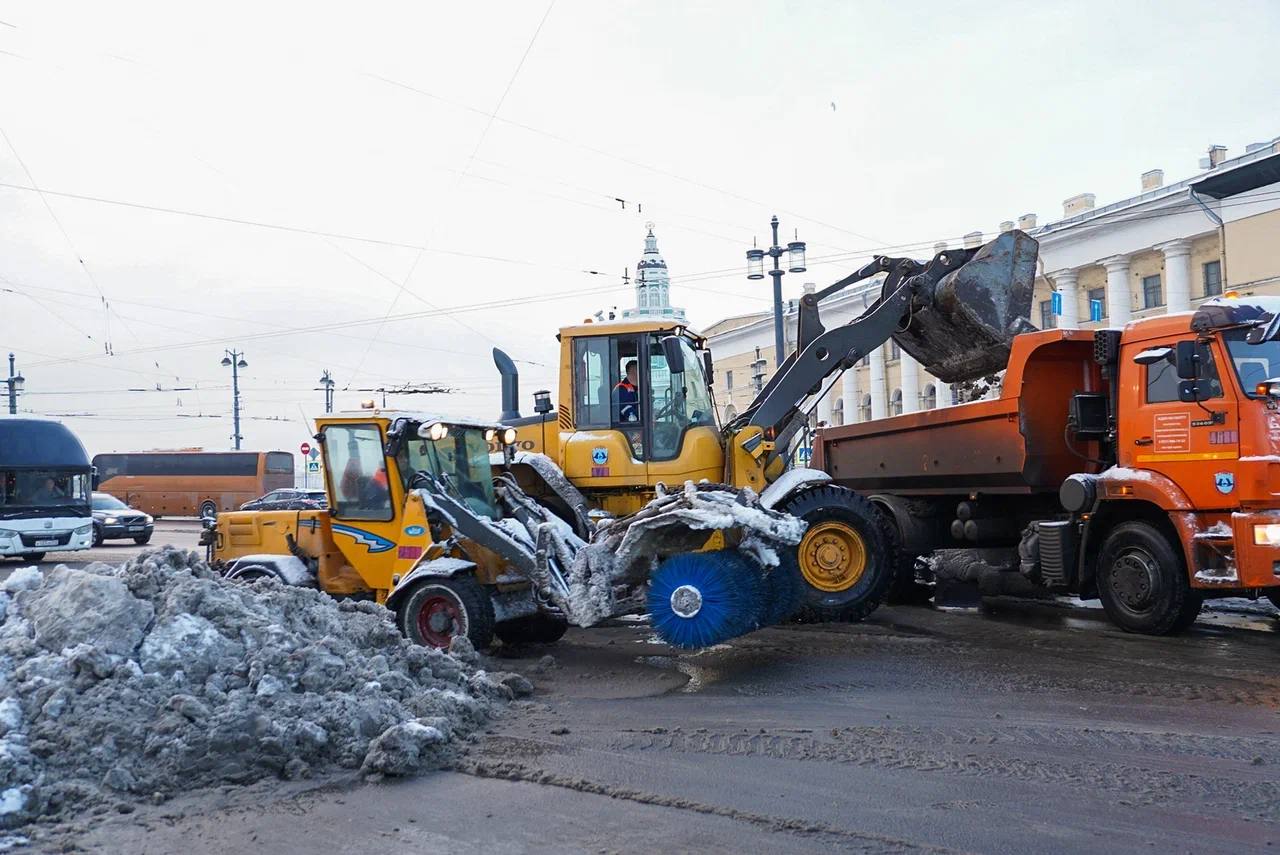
<point>1187,361</point>
<point>1189,392</point>
<point>673,353</point>
<point>707,367</point>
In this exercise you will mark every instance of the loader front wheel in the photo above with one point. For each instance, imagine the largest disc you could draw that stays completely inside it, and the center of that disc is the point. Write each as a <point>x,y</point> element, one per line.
<point>846,557</point>
<point>438,611</point>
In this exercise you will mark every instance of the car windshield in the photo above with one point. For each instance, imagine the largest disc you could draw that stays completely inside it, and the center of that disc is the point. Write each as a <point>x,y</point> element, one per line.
<point>462,456</point>
<point>107,502</point>
<point>1253,363</point>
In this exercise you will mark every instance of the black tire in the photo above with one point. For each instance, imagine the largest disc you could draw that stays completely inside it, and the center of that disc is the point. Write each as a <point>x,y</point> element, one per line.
<point>208,508</point>
<point>33,557</point>
<point>462,602</point>
<point>1273,594</point>
<point>98,538</point>
<point>1142,581</point>
<point>532,629</point>
<point>832,599</point>
<point>253,573</point>
<point>146,538</point>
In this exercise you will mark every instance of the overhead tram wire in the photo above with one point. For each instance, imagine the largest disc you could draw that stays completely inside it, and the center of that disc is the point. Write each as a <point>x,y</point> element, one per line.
<point>484,133</point>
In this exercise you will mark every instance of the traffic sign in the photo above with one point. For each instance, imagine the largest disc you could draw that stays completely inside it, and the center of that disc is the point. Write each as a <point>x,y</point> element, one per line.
<point>313,466</point>
<point>314,453</point>
<point>306,449</point>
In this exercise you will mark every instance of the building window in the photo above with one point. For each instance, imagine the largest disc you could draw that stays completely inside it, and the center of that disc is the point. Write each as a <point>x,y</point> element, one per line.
<point>837,412</point>
<point>864,411</point>
<point>728,381</point>
<point>1212,278</point>
<point>895,403</point>
<point>1099,296</point>
<point>895,352</point>
<point>1151,296</point>
<point>1047,319</point>
<point>930,397</point>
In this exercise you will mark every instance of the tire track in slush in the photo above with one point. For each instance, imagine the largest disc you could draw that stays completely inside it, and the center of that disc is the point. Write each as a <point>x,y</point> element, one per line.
<point>843,838</point>
<point>934,751</point>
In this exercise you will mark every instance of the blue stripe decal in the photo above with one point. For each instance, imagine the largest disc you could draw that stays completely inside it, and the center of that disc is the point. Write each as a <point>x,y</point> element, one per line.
<point>367,539</point>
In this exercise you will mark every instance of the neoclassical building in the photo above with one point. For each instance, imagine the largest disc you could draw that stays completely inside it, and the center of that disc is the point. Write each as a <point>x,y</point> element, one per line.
<point>653,285</point>
<point>1165,249</point>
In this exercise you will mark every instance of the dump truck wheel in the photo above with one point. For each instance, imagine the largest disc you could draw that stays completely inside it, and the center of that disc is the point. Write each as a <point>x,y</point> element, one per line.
<point>1142,581</point>
<point>532,629</point>
<point>846,557</point>
<point>436,612</point>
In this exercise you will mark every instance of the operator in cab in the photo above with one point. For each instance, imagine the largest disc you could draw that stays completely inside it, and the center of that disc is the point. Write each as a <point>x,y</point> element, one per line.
<point>627,393</point>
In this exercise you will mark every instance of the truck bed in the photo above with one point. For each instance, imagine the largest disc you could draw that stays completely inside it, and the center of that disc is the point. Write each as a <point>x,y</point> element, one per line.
<point>1012,444</point>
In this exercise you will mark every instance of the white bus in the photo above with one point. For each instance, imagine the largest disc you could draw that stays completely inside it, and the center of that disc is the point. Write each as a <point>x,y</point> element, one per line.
<point>44,489</point>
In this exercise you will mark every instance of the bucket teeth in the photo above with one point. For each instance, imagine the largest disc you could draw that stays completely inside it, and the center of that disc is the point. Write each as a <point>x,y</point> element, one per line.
<point>962,327</point>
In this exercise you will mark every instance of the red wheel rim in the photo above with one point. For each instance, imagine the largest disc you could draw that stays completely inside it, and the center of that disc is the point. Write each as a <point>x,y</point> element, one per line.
<point>439,620</point>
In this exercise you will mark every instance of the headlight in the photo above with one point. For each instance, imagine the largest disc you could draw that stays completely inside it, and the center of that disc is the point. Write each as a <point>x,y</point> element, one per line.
<point>111,521</point>
<point>491,435</point>
<point>435,431</point>
<point>85,529</point>
<point>1266,535</point>
<point>6,532</point>
<point>509,436</point>
<point>146,518</point>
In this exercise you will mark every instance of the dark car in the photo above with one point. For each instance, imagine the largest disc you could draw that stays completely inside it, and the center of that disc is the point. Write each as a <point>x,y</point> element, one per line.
<point>114,520</point>
<point>288,500</point>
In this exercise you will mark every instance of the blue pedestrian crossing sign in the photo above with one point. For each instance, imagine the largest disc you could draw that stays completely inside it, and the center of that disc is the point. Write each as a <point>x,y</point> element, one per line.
<point>1095,310</point>
<point>1057,302</point>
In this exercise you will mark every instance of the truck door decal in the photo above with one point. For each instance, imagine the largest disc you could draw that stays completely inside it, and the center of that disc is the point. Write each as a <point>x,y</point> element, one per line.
<point>367,539</point>
<point>1172,433</point>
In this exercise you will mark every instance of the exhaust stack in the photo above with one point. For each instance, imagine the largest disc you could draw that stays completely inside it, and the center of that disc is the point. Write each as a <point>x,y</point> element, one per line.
<point>510,386</point>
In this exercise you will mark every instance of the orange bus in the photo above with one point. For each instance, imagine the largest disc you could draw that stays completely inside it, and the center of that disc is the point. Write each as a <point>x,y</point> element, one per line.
<point>191,483</point>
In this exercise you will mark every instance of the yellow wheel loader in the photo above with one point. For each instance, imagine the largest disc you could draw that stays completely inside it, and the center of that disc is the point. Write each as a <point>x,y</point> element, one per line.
<point>422,519</point>
<point>635,410</point>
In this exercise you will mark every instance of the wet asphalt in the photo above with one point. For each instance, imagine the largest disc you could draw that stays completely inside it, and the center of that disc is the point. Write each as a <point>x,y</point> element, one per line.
<point>1006,727</point>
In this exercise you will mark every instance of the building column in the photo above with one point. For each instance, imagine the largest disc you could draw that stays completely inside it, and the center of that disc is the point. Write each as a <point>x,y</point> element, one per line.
<point>825,405</point>
<point>1119,303</point>
<point>1067,283</point>
<point>910,383</point>
<point>879,399</point>
<point>849,391</point>
<point>1177,275</point>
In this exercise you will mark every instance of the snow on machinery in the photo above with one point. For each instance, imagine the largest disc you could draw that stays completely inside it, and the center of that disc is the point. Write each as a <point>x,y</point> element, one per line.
<point>421,520</point>
<point>957,314</point>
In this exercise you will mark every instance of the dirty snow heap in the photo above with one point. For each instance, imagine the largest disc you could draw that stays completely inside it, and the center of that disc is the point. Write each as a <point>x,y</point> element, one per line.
<point>159,676</point>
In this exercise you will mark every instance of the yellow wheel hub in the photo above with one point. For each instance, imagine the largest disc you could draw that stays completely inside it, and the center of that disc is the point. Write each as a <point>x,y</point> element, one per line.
<point>833,556</point>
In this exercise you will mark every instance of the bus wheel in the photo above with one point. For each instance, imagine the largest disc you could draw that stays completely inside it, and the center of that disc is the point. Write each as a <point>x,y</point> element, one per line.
<point>1143,583</point>
<point>208,509</point>
<point>33,557</point>
<point>440,610</point>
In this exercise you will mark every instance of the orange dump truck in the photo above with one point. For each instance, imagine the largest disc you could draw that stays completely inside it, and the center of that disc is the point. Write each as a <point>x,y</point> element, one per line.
<point>1140,466</point>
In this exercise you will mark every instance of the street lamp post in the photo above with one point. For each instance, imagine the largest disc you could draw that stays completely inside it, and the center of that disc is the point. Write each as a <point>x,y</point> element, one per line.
<point>235,361</point>
<point>326,383</point>
<point>15,384</point>
<point>755,270</point>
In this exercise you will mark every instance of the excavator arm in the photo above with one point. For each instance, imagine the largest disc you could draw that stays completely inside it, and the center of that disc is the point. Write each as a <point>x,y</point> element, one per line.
<point>957,314</point>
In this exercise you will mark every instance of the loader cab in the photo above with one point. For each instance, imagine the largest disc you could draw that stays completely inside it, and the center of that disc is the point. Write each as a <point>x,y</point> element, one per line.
<point>639,408</point>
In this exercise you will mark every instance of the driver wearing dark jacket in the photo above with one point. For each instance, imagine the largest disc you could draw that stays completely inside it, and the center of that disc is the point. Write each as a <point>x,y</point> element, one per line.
<point>627,394</point>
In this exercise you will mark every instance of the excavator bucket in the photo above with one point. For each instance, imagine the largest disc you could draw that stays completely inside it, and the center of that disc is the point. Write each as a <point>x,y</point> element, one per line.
<point>962,327</point>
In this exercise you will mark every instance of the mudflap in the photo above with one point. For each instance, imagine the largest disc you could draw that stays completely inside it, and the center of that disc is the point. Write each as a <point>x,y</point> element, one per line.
<point>965,327</point>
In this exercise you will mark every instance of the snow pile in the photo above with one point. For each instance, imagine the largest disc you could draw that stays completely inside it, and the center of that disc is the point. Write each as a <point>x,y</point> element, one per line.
<point>159,676</point>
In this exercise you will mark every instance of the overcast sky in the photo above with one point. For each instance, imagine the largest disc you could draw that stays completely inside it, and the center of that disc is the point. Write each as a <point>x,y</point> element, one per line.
<point>369,133</point>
